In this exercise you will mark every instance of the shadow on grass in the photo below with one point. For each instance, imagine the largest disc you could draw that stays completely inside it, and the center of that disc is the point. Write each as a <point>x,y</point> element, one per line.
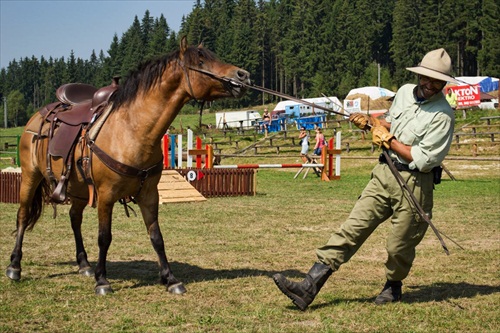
<point>146,273</point>
<point>437,292</point>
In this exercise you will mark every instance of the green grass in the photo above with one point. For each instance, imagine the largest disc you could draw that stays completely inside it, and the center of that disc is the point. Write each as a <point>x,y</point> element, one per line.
<point>225,250</point>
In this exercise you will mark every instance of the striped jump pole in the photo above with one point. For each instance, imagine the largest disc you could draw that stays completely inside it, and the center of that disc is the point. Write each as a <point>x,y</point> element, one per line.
<point>268,166</point>
<point>326,162</point>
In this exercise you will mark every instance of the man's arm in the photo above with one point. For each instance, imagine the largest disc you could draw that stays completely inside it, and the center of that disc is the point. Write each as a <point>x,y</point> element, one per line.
<point>401,149</point>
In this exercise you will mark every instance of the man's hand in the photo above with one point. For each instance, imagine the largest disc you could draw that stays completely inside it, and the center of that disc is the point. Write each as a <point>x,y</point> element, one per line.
<point>363,121</point>
<point>381,136</point>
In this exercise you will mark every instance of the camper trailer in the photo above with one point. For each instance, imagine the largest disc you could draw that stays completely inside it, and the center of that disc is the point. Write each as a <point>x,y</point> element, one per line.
<point>299,110</point>
<point>237,119</point>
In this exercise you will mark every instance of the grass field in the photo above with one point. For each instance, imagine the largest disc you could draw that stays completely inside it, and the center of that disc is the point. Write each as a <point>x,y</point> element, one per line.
<point>225,250</point>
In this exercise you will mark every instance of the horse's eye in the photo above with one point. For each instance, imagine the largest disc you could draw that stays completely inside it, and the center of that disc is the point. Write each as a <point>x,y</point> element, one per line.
<point>200,63</point>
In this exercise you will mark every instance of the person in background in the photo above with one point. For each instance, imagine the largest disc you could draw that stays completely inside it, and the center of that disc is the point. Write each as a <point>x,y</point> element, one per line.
<point>320,141</point>
<point>451,97</point>
<point>304,143</point>
<point>417,134</point>
<point>266,121</point>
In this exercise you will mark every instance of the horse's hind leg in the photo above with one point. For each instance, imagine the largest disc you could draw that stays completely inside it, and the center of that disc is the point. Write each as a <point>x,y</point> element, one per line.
<point>76,216</point>
<point>30,210</point>
<point>149,210</point>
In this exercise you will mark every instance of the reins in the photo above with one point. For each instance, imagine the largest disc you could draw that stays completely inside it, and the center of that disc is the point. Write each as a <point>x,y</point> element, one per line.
<point>269,91</point>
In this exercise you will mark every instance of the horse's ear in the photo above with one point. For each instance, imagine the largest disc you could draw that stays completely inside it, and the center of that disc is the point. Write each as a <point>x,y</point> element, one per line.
<point>200,46</point>
<point>184,44</point>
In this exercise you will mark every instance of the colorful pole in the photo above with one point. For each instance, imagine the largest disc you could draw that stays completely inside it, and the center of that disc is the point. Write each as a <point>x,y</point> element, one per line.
<point>268,166</point>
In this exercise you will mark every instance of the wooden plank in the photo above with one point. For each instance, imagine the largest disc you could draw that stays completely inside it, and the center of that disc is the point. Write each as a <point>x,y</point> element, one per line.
<point>174,188</point>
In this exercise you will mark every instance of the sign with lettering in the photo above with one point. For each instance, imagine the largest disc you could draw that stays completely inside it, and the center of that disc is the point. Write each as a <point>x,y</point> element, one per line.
<point>467,96</point>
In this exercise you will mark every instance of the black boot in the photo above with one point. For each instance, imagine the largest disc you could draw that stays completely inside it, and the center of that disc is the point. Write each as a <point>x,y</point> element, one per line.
<point>302,293</point>
<point>390,293</point>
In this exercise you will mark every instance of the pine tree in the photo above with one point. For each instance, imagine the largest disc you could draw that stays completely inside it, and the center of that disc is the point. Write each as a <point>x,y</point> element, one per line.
<point>489,54</point>
<point>132,47</point>
<point>159,41</point>
<point>406,45</point>
<point>245,50</point>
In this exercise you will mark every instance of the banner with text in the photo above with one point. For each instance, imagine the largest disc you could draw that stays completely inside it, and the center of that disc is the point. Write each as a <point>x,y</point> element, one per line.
<point>467,96</point>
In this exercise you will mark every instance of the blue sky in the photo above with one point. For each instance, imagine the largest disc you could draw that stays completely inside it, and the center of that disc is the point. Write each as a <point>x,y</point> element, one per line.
<point>54,28</point>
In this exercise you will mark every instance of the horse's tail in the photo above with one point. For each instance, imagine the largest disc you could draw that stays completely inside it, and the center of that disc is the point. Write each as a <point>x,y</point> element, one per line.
<point>36,208</point>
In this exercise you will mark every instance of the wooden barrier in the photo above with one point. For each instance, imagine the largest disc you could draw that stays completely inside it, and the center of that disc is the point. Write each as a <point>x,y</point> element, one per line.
<point>10,185</point>
<point>221,182</point>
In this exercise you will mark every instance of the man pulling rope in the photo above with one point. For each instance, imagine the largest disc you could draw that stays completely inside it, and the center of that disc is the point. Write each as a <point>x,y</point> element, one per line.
<point>416,135</point>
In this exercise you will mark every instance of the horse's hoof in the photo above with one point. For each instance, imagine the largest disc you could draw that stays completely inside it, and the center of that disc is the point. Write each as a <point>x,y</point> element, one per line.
<point>86,271</point>
<point>177,289</point>
<point>103,290</point>
<point>13,273</point>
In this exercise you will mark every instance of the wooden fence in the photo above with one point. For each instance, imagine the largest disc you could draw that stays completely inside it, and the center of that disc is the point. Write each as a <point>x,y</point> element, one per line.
<point>10,184</point>
<point>209,182</point>
<point>222,182</point>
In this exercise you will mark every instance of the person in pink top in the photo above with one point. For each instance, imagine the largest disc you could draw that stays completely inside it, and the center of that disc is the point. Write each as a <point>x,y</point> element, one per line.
<point>320,141</point>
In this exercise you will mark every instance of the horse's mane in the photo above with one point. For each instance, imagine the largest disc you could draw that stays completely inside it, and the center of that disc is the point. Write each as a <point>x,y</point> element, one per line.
<point>149,73</point>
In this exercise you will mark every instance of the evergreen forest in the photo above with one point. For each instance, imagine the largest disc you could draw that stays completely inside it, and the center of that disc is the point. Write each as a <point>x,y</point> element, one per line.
<point>303,48</point>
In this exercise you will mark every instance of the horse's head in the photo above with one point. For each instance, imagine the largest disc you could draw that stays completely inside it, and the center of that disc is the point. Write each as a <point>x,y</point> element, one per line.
<point>208,78</point>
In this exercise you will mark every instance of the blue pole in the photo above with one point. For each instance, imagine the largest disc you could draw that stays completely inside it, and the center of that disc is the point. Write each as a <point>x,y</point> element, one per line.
<point>172,151</point>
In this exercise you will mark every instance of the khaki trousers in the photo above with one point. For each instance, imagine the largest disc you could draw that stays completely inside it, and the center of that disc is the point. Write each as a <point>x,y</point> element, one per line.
<point>382,199</point>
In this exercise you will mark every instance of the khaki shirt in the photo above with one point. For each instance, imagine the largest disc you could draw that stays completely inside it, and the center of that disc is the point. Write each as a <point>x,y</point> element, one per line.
<point>425,126</point>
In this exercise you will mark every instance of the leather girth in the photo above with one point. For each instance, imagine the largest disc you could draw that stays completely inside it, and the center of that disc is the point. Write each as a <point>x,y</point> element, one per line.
<point>124,169</point>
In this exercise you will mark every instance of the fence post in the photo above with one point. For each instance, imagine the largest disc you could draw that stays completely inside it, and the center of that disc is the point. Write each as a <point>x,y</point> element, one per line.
<point>198,157</point>
<point>172,151</point>
<point>209,159</point>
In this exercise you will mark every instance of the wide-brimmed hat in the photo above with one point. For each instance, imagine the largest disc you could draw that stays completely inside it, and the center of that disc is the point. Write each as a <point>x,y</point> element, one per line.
<point>435,64</point>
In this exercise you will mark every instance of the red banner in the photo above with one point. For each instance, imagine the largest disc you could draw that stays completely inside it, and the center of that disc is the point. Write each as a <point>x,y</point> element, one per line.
<point>467,96</point>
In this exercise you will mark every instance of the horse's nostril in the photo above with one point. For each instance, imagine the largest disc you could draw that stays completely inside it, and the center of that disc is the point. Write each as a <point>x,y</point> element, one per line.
<point>243,75</point>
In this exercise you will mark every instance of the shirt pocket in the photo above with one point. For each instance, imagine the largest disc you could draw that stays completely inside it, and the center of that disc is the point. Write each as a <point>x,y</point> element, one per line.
<point>415,131</point>
<point>395,114</point>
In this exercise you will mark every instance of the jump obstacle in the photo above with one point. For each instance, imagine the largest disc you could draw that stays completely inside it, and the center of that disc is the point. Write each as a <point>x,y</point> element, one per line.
<point>172,152</point>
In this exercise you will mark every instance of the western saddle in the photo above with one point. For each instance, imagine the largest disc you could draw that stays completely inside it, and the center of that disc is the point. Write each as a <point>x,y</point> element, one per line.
<point>78,107</point>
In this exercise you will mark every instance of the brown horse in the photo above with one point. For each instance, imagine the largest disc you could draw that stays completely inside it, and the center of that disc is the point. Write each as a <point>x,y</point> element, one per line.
<point>142,109</point>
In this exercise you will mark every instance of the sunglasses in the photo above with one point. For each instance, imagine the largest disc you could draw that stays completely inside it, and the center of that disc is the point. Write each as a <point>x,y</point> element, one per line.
<point>436,84</point>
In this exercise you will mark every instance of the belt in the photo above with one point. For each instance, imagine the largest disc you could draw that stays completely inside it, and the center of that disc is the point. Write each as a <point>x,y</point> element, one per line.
<point>399,166</point>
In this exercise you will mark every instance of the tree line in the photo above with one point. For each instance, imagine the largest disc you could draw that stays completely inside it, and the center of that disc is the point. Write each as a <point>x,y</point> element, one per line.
<point>304,48</point>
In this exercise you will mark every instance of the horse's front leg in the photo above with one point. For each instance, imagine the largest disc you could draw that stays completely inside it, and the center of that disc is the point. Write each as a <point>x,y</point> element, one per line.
<point>149,210</point>
<point>104,212</point>
<point>76,216</point>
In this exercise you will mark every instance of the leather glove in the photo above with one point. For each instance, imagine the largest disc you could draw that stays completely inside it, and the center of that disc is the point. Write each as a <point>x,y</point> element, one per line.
<point>381,136</point>
<point>363,121</point>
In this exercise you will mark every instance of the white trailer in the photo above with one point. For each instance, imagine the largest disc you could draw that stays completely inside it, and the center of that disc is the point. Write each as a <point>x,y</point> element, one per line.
<point>237,119</point>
